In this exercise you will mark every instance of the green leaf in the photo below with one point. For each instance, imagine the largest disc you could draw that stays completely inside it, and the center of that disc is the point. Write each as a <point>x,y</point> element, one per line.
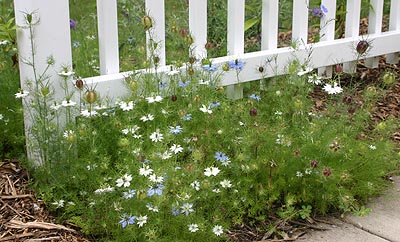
<point>250,23</point>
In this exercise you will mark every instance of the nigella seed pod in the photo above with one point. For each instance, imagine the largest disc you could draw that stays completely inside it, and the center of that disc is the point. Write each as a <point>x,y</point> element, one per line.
<point>90,96</point>
<point>253,112</point>
<point>327,172</point>
<point>183,32</point>
<point>79,84</point>
<point>362,47</point>
<point>314,163</point>
<point>147,22</point>
<point>261,69</point>
<point>174,98</point>
<point>208,45</point>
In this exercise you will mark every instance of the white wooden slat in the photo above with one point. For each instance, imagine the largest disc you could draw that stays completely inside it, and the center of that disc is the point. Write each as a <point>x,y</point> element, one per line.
<point>156,10</point>
<point>269,24</point>
<point>198,27</point>
<point>394,24</point>
<point>374,26</point>
<point>300,21</point>
<point>235,39</point>
<point>107,23</point>
<point>324,54</point>
<point>327,31</point>
<point>352,28</point>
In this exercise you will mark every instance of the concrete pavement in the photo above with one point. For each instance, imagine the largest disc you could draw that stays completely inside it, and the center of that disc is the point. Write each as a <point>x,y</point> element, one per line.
<point>381,225</point>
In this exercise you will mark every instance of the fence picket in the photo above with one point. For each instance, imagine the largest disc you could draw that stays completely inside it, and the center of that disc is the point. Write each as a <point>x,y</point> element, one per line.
<point>300,21</point>
<point>374,26</point>
<point>269,24</point>
<point>198,27</point>
<point>108,36</point>
<point>156,10</point>
<point>394,25</point>
<point>235,39</point>
<point>327,31</point>
<point>352,28</point>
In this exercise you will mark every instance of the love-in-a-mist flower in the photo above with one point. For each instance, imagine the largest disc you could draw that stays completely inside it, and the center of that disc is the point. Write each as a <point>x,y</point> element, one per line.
<point>145,171</point>
<point>176,148</point>
<point>236,64</point>
<point>156,179</point>
<point>304,71</point>
<point>68,103</point>
<point>124,181</point>
<point>129,194</point>
<point>148,117</point>
<point>154,99</point>
<point>155,190</point>
<point>211,171</point>
<point>255,97</point>
<point>152,208</point>
<point>126,220</point>
<point>218,230</point>
<point>332,89</point>
<point>195,185</point>
<point>210,67</point>
<point>21,94</point>
<point>226,183</point>
<point>73,24</point>
<point>193,228</point>
<point>220,156</point>
<point>187,208</point>
<point>175,130</point>
<point>156,136</point>
<point>141,220</point>
<point>319,12</point>
<point>314,79</point>
<point>205,109</point>
<point>126,106</point>
<point>87,114</point>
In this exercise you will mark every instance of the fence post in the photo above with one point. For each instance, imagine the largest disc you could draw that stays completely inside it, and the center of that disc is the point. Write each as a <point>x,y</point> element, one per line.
<point>300,21</point>
<point>374,27</point>
<point>394,24</point>
<point>108,36</point>
<point>327,31</point>
<point>198,27</point>
<point>235,40</point>
<point>352,29</point>
<point>51,38</point>
<point>156,10</point>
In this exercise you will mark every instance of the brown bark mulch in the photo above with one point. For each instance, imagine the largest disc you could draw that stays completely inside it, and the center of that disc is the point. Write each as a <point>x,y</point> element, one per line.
<point>23,217</point>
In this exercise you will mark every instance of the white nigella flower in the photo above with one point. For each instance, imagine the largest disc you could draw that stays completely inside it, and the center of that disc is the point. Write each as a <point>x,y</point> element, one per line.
<point>193,228</point>
<point>154,99</point>
<point>129,194</point>
<point>68,103</point>
<point>124,181</point>
<point>66,73</point>
<point>195,185</point>
<point>187,208</point>
<point>205,109</point>
<point>21,94</point>
<point>156,136</point>
<point>173,72</point>
<point>315,79</point>
<point>218,230</point>
<point>55,106</point>
<point>372,147</point>
<point>166,155</point>
<point>104,190</point>
<point>226,183</point>
<point>211,171</point>
<point>147,117</point>
<point>305,71</point>
<point>216,190</point>
<point>332,89</point>
<point>156,179</point>
<point>141,220</point>
<point>145,170</point>
<point>1,116</point>
<point>126,106</point>
<point>59,204</point>
<point>299,174</point>
<point>152,208</point>
<point>201,82</point>
<point>176,149</point>
<point>86,113</point>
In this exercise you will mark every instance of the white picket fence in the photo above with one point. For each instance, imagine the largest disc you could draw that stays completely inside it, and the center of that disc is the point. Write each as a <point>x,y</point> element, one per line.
<point>52,37</point>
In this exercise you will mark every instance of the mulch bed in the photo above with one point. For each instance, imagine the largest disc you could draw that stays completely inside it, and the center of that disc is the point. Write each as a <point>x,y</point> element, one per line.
<point>23,217</point>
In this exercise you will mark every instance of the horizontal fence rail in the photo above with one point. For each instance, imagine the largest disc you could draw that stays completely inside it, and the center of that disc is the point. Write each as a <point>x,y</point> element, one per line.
<point>328,51</point>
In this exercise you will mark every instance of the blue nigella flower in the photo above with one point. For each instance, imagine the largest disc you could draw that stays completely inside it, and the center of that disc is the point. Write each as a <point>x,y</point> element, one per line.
<point>183,84</point>
<point>187,117</point>
<point>175,211</point>
<point>210,68</point>
<point>215,104</point>
<point>220,156</point>
<point>131,40</point>
<point>175,130</point>
<point>236,64</point>
<point>127,220</point>
<point>75,44</point>
<point>254,96</point>
<point>319,12</point>
<point>73,24</point>
<point>157,189</point>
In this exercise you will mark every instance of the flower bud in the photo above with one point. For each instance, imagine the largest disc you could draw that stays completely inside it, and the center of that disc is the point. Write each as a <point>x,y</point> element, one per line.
<point>147,22</point>
<point>327,172</point>
<point>183,32</point>
<point>253,112</point>
<point>362,47</point>
<point>79,84</point>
